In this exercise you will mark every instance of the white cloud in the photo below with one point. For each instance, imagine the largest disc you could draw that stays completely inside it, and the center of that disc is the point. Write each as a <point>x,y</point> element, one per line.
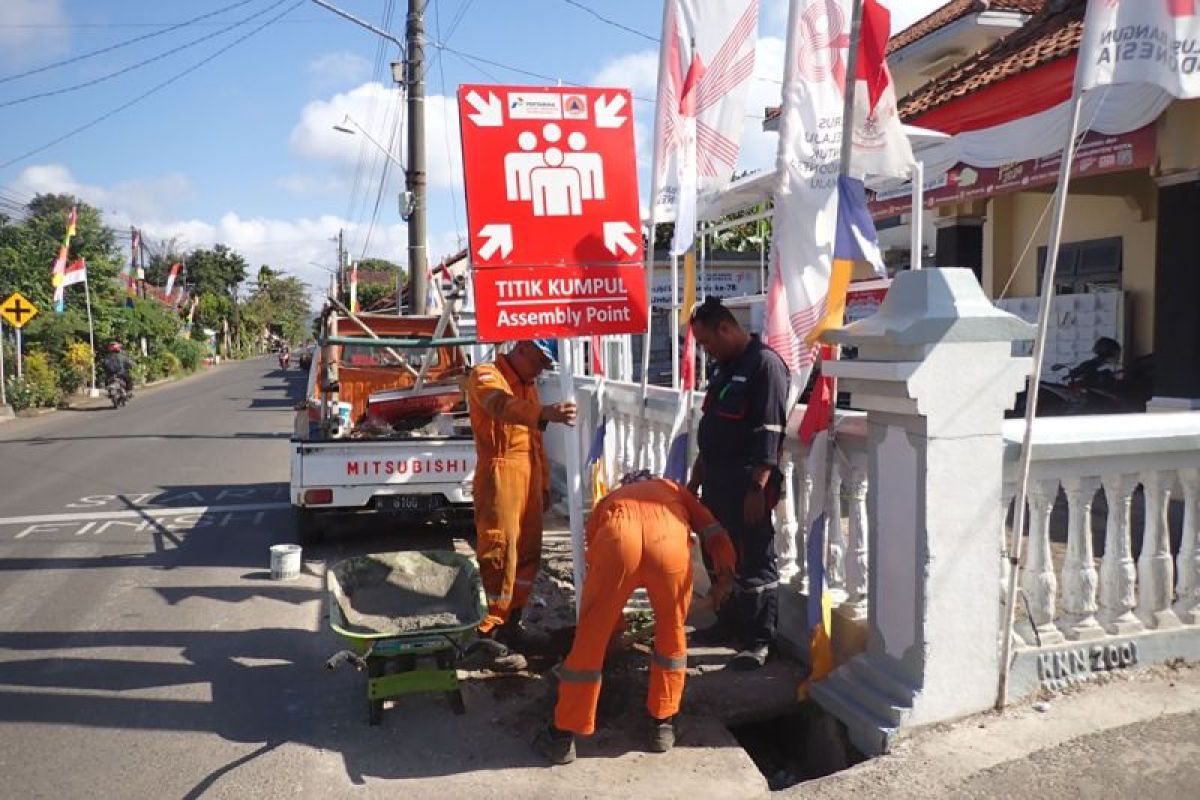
<point>137,197</point>
<point>637,72</point>
<point>372,105</point>
<point>31,28</point>
<point>338,69</point>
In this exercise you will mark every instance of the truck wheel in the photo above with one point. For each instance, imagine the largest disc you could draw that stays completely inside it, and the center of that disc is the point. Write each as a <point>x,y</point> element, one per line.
<point>310,529</point>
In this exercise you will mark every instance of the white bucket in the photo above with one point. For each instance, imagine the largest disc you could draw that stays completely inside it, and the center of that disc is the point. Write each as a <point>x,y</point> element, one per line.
<point>285,562</point>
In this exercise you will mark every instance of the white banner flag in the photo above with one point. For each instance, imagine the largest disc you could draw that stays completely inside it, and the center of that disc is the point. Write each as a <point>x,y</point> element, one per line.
<point>705,67</point>
<point>810,139</point>
<point>1142,41</point>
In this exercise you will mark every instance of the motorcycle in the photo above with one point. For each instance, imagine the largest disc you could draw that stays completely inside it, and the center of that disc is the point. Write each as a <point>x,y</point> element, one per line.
<point>285,359</point>
<point>117,393</point>
<point>1095,386</point>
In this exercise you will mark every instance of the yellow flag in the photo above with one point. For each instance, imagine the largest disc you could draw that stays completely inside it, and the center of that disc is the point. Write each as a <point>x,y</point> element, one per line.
<point>835,301</point>
<point>689,288</point>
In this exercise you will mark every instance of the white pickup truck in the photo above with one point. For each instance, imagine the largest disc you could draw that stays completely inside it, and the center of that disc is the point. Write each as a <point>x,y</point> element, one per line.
<point>367,440</point>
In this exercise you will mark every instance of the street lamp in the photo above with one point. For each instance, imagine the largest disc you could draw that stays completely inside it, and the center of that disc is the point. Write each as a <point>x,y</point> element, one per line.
<point>409,72</point>
<point>406,197</point>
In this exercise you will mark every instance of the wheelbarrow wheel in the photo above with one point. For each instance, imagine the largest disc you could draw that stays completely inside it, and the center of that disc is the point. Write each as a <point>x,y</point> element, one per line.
<point>456,701</point>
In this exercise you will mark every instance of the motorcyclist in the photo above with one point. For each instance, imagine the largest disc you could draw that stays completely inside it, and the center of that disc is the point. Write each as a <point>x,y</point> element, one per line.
<point>119,366</point>
<point>285,357</point>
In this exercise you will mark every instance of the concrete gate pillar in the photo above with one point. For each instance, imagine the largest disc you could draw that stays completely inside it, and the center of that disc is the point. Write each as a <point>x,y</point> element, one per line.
<point>934,373</point>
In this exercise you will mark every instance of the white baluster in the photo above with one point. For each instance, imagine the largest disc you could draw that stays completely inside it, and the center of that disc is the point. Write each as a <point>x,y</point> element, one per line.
<point>1156,572</point>
<point>835,573</point>
<point>632,425</point>
<point>786,525</point>
<point>855,493</point>
<point>1187,606</point>
<point>1007,492</point>
<point>1037,579</point>
<point>1118,576</point>
<point>1079,571</point>
<point>804,507</point>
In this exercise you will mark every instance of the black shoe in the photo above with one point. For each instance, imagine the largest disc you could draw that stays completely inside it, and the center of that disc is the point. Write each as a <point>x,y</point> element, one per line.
<point>714,636</point>
<point>557,747</point>
<point>662,735</point>
<point>750,659</point>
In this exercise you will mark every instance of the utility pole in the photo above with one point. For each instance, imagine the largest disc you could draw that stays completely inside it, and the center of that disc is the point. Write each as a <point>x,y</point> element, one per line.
<point>341,260</point>
<point>418,261</point>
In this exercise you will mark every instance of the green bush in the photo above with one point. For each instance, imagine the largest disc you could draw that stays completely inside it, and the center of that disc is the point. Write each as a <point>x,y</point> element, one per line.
<point>161,365</point>
<point>189,352</point>
<point>38,387</point>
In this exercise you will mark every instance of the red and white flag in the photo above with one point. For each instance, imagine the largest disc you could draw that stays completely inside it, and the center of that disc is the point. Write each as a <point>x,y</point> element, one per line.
<point>174,273</point>
<point>704,72</point>
<point>76,272</point>
<point>1142,41</point>
<point>810,138</point>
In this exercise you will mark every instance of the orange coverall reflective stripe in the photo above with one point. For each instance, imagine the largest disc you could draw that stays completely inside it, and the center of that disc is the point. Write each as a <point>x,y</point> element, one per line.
<point>511,474</point>
<point>638,536</point>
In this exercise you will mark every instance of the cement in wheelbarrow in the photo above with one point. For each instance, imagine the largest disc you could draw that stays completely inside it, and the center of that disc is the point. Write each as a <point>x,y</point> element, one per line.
<point>392,594</point>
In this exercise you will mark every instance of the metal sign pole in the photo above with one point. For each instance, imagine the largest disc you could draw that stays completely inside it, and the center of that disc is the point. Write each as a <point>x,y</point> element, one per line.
<point>20,365</point>
<point>574,473</point>
<point>3,395</point>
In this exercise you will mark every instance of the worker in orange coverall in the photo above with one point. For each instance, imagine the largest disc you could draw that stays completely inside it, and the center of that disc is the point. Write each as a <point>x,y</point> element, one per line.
<point>638,535</point>
<point>511,489</point>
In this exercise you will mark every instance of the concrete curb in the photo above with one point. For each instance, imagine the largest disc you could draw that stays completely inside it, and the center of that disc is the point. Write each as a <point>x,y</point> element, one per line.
<point>84,402</point>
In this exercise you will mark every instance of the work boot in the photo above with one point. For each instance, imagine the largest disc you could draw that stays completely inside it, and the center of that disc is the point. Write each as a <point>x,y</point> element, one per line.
<point>750,659</point>
<point>517,637</point>
<point>557,747</point>
<point>662,734</point>
<point>487,653</point>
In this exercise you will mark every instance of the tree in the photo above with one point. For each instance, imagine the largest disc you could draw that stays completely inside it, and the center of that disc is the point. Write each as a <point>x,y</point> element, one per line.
<point>160,257</point>
<point>279,303</point>
<point>220,270</point>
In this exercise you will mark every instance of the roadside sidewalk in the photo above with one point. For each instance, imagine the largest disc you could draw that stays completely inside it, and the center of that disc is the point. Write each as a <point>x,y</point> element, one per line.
<point>1133,735</point>
<point>82,402</point>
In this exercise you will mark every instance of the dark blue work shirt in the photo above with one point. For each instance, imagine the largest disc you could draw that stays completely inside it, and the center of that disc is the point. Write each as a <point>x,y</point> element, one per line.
<point>745,410</point>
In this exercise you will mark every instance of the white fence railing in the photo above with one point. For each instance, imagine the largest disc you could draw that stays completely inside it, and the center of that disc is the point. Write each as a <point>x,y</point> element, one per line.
<point>1134,466</point>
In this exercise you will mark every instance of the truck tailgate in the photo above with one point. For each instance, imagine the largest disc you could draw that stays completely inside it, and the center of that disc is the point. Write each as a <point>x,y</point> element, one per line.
<point>400,463</point>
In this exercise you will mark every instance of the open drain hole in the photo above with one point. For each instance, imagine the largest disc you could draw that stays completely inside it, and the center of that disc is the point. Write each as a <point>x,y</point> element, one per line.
<point>806,744</point>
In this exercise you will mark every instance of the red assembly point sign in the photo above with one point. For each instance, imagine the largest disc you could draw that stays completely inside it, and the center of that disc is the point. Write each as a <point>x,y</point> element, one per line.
<point>552,205</point>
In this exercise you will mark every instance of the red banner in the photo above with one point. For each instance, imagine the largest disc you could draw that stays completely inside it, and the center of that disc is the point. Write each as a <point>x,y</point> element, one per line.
<point>1098,155</point>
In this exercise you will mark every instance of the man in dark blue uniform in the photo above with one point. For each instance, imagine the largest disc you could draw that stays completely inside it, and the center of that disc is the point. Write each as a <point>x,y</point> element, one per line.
<point>737,470</point>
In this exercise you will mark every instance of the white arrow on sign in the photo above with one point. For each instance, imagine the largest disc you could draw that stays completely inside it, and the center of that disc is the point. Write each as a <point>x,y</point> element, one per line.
<point>490,112</point>
<point>608,112</point>
<point>616,237</point>
<point>499,237</point>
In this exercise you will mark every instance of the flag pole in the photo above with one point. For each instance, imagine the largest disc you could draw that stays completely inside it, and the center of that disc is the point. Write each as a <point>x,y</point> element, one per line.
<point>843,169</point>
<point>87,296</point>
<point>643,430</point>
<point>917,218</point>
<point>1031,394</point>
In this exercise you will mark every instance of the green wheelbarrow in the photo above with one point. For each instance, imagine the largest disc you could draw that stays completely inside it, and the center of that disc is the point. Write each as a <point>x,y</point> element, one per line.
<point>406,618</point>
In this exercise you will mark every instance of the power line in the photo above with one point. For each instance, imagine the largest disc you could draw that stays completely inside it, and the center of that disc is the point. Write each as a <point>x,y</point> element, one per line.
<point>118,45</point>
<point>609,21</point>
<point>437,21</point>
<point>153,90</point>
<point>76,87</point>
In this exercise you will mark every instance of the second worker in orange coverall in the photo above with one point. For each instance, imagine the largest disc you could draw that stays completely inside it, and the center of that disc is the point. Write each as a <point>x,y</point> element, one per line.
<point>511,488</point>
<point>638,535</point>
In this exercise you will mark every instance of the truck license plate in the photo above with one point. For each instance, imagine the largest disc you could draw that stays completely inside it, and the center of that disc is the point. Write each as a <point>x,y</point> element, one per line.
<point>409,502</point>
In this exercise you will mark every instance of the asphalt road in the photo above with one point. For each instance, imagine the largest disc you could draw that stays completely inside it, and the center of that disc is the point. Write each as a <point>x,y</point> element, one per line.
<point>145,653</point>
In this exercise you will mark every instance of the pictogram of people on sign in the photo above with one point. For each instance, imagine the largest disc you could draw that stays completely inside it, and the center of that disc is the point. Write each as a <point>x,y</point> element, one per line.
<point>555,182</point>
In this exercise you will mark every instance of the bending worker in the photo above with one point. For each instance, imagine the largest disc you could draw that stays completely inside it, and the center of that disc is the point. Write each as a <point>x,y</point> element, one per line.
<point>638,535</point>
<point>512,486</point>
<point>740,438</point>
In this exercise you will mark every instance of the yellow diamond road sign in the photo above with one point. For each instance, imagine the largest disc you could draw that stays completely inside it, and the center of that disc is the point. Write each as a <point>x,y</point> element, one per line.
<point>17,311</point>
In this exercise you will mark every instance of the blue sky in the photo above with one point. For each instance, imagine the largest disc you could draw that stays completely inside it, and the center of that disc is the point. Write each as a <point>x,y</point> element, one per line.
<point>241,150</point>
